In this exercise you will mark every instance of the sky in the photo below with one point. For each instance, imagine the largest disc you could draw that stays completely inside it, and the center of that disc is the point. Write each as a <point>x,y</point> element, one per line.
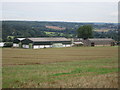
<point>72,11</point>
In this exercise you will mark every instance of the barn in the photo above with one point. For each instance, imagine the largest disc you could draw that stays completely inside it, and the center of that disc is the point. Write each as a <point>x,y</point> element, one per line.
<point>36,43</point>
<point>93,42</point>
<point>17,42</point>
<point>99,42</point>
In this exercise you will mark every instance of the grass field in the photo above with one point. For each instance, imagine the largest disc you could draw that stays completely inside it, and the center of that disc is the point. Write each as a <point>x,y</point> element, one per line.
<point>75,67</point>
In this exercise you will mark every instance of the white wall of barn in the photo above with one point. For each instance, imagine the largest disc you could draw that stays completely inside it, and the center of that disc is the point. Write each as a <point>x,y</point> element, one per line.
<point>68,45</point>
<point>1,44</point>
<point>41,46</point>
<point>25,46</point>
<point>64,45</point>
<point>48,46</point>
<point>15,45</point>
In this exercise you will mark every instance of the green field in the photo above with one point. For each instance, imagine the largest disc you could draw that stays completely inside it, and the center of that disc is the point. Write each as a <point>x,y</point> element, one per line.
<point>75,67</point>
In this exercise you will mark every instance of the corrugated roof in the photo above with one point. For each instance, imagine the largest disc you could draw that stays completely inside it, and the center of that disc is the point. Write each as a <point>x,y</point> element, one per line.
<point>101,39</point>
<point>48,39</point>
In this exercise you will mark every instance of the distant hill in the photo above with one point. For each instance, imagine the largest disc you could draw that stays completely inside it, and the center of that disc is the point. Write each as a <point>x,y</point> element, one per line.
<point>43,28</point>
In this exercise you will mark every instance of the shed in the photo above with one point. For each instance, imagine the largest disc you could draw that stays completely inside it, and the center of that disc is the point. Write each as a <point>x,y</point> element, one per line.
<point>99,42</point>
<point>17,42</point>
<point>46,42</point>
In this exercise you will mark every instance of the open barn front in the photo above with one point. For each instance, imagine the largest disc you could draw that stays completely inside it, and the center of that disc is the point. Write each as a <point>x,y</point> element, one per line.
<point>17,42</point>
<point>37,43</point>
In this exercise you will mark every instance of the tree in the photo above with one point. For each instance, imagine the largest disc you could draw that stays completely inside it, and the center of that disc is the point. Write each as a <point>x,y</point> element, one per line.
<point>84,31</point>
<point>10,38</point>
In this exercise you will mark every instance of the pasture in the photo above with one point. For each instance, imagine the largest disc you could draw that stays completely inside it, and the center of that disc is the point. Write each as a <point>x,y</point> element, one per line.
<point>75,67</point>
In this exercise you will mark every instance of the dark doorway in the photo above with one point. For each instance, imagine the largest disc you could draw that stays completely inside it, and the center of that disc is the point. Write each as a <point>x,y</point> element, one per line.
<point>112,44</point>
<point>92,44</point>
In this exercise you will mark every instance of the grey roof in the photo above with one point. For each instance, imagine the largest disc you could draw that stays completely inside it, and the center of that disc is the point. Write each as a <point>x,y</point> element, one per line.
<point>101,39</point>
<point>48,39</point>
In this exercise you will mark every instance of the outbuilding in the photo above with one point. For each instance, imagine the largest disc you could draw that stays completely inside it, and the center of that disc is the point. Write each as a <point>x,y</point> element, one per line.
<point>99,42</point>
<point>46,42</point>
<point>17,42</point>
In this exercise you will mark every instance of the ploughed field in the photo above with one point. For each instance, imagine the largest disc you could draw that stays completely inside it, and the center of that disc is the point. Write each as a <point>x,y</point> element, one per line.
<point>75,67</point>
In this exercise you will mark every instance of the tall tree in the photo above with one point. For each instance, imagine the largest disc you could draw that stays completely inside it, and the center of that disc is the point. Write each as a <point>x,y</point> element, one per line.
<point>85,31</point>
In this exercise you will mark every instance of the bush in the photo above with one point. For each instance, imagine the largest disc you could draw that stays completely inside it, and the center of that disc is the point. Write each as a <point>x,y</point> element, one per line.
<point>8,44</point>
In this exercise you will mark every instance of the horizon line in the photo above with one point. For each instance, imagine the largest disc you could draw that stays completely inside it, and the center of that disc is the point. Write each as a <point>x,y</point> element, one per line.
<point>62,21</point>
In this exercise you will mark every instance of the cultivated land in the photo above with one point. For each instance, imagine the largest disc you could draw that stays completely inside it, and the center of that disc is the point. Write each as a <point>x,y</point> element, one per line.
<point>75,67</point>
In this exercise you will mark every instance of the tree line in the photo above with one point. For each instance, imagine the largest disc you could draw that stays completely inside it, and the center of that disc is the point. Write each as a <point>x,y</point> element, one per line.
<point>12,29</point>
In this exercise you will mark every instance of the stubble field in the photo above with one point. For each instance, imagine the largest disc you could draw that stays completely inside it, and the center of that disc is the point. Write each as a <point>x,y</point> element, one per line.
<point>75,67</point>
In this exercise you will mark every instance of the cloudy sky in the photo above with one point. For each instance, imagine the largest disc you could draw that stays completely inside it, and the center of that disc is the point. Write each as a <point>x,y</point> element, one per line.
<point>61,11</point>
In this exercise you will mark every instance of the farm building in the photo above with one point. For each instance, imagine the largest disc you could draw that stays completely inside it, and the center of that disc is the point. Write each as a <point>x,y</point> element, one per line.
<point>36,43</point>
<point>2,44</point>
<point>17,42</point>
<point>93,42</point>
<point>99,42</point>
<point>76,42</point>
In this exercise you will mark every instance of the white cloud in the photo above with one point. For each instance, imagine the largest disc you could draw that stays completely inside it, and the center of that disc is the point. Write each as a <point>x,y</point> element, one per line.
<point>60,0</point>
<point>114,14</point>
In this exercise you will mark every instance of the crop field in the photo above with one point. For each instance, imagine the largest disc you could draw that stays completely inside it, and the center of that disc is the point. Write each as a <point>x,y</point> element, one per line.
<point>75,67</point>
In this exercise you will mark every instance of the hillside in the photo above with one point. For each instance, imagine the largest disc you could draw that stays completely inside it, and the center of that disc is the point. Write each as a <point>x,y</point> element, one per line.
<point>54,29</point>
